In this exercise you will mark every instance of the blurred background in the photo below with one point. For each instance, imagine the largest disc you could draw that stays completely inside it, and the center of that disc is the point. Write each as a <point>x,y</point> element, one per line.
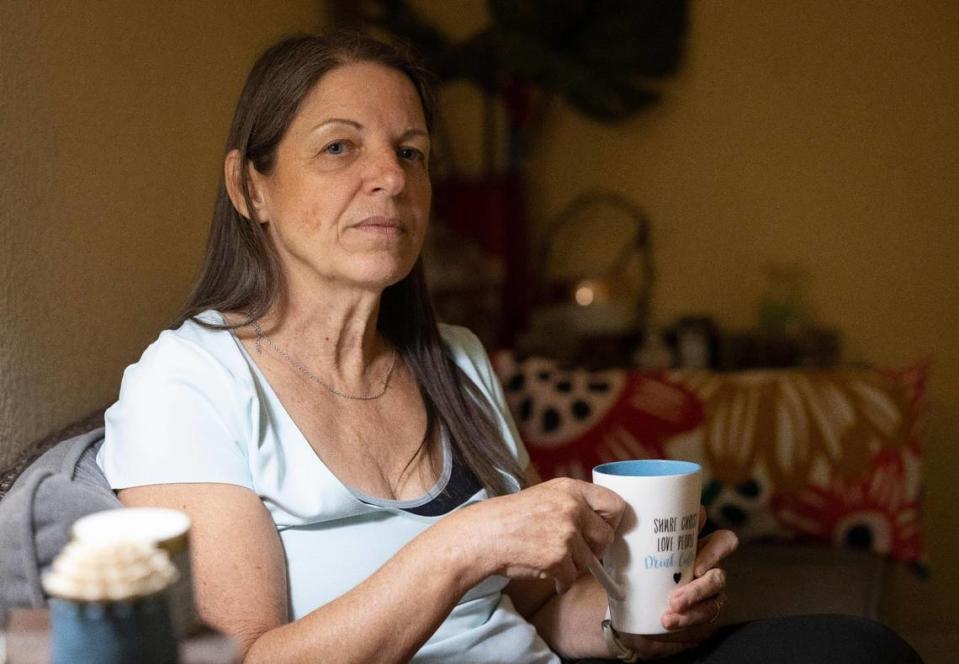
<point>772,184</point>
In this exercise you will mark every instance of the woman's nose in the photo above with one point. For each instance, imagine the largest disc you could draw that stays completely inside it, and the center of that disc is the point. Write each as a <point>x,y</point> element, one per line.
<point>385,173</point>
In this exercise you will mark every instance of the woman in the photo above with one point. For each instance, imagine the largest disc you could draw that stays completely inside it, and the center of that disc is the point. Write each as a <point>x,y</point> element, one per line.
<point>353,476</point>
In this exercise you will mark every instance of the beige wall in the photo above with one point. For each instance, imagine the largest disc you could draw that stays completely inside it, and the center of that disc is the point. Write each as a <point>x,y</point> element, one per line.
<point>820,133</point>
<point>112,119</point>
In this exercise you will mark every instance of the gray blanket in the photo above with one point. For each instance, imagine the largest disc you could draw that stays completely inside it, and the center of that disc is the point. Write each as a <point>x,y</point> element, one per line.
<point>54,491</point>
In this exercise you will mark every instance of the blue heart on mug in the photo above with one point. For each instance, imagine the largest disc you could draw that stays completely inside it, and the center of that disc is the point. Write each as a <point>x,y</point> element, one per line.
<point>677,576</point>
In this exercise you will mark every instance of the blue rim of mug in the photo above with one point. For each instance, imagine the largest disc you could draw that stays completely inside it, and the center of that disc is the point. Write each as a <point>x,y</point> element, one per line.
<point>648,468</point>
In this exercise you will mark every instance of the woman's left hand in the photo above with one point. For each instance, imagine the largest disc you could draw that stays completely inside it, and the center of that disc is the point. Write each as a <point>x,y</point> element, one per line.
<point>694,608</point>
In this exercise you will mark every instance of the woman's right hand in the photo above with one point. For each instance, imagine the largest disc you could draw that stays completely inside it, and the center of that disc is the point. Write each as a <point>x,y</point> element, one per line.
<point>551,530</point>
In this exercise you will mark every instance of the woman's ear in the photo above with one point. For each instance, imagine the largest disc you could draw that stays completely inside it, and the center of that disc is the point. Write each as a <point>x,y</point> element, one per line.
<point>234,188</point>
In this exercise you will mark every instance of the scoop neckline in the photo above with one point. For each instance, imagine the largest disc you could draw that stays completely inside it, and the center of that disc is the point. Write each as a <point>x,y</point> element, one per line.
<point>367,499</point>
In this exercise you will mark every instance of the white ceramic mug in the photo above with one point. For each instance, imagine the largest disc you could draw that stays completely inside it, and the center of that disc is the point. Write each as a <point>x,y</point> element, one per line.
<point>655,546</point>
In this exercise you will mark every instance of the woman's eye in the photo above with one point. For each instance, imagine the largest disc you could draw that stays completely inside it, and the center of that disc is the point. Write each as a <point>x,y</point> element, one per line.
<point>411,154</point>
<point>336,148</point>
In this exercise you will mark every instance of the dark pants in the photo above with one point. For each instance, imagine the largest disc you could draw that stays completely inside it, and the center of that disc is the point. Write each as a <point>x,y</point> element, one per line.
<point>816,639</point>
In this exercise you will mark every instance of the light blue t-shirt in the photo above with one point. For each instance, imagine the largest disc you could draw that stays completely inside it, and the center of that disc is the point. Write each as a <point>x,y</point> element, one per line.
<point>196,408</point>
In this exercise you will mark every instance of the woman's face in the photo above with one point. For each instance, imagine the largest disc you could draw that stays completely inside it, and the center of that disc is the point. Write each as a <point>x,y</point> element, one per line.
<point>349,197</point>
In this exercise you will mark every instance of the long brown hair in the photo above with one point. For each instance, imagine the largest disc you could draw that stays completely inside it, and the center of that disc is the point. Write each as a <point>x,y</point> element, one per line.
<point>241,271</point>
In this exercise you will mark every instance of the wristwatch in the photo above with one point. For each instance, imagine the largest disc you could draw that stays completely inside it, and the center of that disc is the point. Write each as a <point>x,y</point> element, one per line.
<point>617,647</point>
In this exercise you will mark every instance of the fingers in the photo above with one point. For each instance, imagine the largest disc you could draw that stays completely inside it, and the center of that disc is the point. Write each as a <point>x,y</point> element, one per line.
<point>557,529</point>
<point>709,585</point>
<point>565,575</point>
<point>596,512</point>
<point>597,532</point>
<point>573,565</point>
<point>697,603</point>
<point>607,504</point>
<point>593,509</point>
<point>701,615</point>
<point>712,549</point>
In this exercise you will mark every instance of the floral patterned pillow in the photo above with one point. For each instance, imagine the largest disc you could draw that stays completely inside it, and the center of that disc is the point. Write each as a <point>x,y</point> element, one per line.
<point>828,456</point>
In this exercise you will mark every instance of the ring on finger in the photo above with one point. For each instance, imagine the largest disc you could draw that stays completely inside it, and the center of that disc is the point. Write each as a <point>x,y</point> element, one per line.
<point>718,602</point>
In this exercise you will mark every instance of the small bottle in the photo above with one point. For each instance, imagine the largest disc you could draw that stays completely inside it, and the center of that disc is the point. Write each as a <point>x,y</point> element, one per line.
<point>166,528</point>
<point>109,604</point>
<point>654,354</point>
<point>782,308</point>
<point>696,341</point>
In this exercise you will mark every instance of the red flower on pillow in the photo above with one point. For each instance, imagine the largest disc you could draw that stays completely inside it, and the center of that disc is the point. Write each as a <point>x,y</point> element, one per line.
<point>574,419</point>
<point>879,512</point>
<point>913,382</point>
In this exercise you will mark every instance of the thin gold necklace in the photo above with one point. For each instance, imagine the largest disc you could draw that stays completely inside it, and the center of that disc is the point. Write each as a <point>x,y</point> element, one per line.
<point>309,374</point>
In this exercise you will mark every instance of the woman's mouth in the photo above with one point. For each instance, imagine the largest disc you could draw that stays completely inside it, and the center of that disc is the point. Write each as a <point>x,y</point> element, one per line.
<point>389,226</point>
